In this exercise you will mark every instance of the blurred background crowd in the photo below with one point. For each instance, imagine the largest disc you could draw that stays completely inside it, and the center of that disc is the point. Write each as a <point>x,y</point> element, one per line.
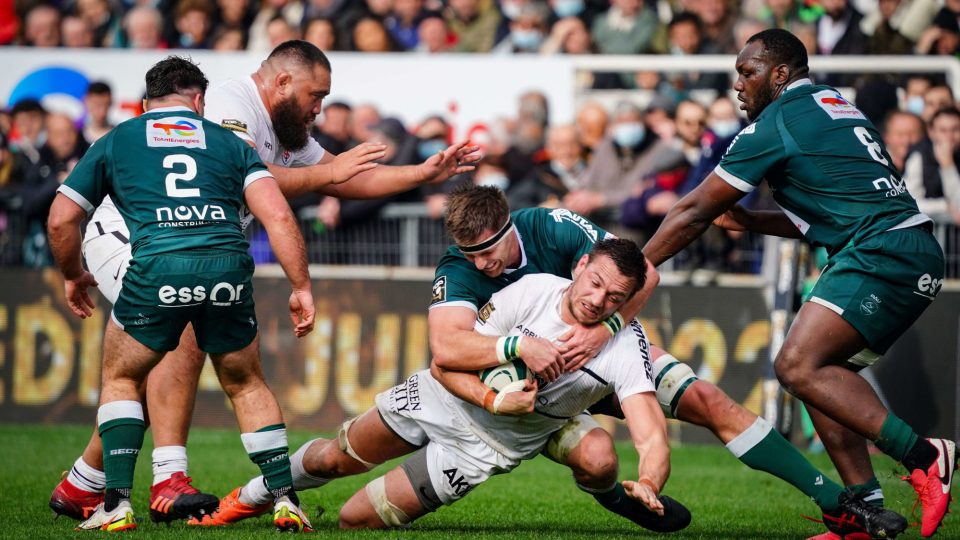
<point>618,162</point>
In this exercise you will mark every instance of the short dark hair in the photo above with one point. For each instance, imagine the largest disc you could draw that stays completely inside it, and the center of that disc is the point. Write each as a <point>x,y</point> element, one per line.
<point>472,209</point>
<point>99,87</point>
<point>27,105</point>
<point>626,255</point>
<point>302,52</point>
<point>782,47</point>
<point>338,105</point>
<point>174,75</point>
<point>687,17</point>
<point>945,111</point>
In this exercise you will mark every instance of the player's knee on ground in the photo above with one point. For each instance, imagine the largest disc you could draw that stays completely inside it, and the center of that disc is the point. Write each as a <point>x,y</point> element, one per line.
<point>672,379</point>
<point>392,500</point>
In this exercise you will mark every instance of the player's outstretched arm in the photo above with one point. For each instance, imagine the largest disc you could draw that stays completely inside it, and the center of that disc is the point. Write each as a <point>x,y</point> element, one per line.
<point>648,430</point>
<point>267,204</point>
<point>387,180</point>
<point>63,231</point>
<point>690,217</point>
<point>467,386</point>
<point>456,346</point>
<point>331,170</point>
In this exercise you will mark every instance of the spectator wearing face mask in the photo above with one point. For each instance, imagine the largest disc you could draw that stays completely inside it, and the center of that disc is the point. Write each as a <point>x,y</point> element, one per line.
<point>659,189</point>
<point>527,30</point>
<point>620,162</point>
<point>913,91</point>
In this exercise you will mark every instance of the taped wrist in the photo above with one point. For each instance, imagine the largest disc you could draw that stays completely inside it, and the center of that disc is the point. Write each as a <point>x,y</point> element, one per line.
<point>508,348</point>
<point>614,323</point>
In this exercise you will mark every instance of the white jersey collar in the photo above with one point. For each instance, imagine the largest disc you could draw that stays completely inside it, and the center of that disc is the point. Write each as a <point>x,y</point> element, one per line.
<point>798,83</point>
<point>174,108</point>
<point>523,254</point>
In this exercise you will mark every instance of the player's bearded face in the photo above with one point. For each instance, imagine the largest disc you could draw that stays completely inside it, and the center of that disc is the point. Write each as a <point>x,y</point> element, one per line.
<point>290,124</point>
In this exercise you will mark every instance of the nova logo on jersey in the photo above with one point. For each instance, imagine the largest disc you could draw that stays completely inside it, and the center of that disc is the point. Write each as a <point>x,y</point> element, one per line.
<point>836,106</point>
<point>176,131</point>
<point>189,216</point>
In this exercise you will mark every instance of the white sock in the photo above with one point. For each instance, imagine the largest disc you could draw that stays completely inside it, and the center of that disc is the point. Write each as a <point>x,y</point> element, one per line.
<point>301,479</point>
<point>255,492</point>
<point>86,477</point>
<point>168,460</point>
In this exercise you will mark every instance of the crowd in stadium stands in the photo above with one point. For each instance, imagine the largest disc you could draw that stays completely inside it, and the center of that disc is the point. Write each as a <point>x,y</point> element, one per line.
<point>622,166</point>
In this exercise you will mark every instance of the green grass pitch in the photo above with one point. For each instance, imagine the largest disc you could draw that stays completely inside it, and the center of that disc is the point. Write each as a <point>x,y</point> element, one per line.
<point>537,500</point>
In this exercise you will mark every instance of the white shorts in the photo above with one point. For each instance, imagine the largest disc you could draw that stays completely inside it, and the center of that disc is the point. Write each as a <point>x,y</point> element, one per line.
<point>457,460</point>
<point>107,254</point>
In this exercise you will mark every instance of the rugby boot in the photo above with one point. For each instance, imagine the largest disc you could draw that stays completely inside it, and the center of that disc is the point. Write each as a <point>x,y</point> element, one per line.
<point>231,510</point>
<point>855,515</point>
<point>288,517</point>
<point>117,520</point>
<point>175,498</point>
<point>73,502</point>
<point>933,486</point>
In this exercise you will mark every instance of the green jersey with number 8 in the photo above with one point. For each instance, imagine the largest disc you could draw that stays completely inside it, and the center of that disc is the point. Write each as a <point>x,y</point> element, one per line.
<point>176,179</point>
<point>825,164</point>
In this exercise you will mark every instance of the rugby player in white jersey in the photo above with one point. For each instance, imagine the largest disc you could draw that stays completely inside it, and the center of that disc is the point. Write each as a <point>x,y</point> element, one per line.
<point>272,110</point>
<point>457,445</point>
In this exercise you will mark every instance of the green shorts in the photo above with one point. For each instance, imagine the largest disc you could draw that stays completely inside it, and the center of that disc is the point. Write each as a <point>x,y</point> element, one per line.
<point>882,285</point>
<point>212,289</point>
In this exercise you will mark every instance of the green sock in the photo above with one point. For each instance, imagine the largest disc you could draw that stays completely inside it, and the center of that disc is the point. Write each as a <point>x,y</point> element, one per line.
<point>870,491</point>
<point>762,448</point>
<point>267,447</point>
<point>896,437</point>
<point>121,428</point>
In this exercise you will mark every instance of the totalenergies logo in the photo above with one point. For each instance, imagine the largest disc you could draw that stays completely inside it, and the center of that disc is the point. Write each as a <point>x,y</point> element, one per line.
<point>835,101</point>
<point>181,128</point>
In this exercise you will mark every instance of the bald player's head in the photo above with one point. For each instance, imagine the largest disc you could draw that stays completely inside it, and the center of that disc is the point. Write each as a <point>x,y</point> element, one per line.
<point>293,81</point>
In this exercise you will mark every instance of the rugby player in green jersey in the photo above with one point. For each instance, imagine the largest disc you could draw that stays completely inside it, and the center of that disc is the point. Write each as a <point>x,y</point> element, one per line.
<point>836,184</point>
<point>180,183</point>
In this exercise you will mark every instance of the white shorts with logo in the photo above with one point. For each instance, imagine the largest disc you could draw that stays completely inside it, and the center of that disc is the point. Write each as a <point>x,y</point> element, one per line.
<point>106,250</point>
<point>420,411</point>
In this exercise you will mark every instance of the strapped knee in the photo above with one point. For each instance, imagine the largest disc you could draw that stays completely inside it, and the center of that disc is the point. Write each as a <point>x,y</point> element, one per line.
<point>388,512</point>
<point>344,442</point>
<point>565,439</point>
<point>672,378</point>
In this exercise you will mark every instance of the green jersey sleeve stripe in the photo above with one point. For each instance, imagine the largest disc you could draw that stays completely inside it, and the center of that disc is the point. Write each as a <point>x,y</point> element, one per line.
<point>254,176</point>
<point>76,197</point>
<point>458,303</point>
<point>734,181</point>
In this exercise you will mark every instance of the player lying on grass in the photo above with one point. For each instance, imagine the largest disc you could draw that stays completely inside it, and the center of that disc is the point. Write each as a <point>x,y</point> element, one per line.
<point>495,247</point>
<point>272,111</point>
<point>457,446</point>
<point>185,269</point>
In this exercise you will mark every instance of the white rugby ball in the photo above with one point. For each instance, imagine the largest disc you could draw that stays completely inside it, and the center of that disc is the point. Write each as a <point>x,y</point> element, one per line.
<point>498,377</point>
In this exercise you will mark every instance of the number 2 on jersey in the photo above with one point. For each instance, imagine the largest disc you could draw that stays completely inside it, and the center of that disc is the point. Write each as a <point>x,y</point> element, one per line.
<point>190,172</point>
